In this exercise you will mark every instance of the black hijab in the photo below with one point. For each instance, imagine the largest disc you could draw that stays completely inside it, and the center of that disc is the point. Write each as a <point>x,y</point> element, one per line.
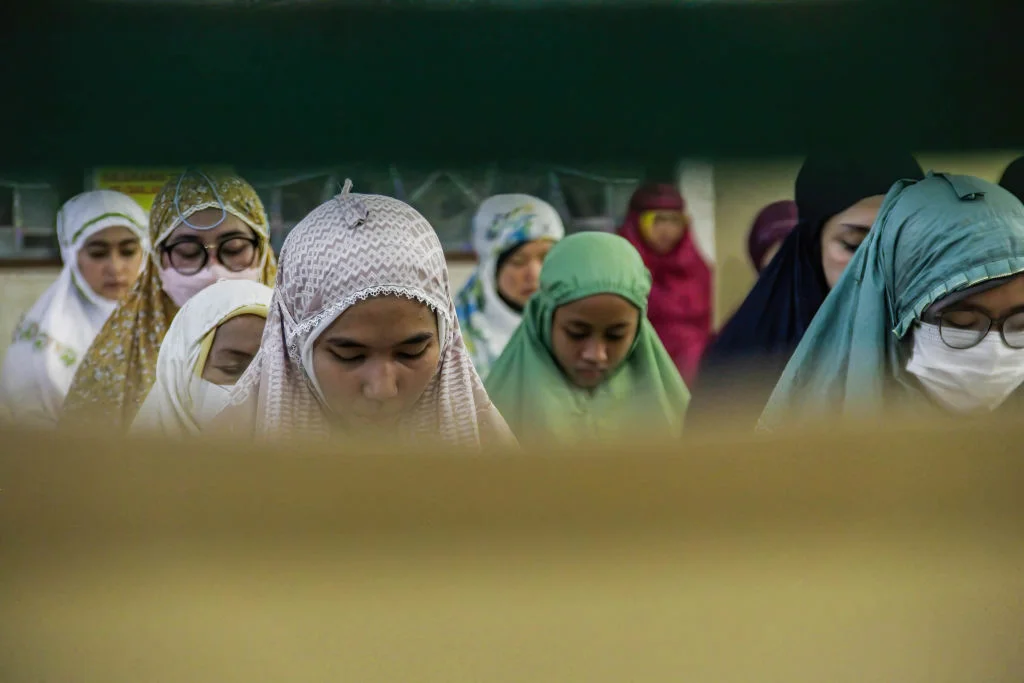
<point>767,327</point>
<point>1013,178</point>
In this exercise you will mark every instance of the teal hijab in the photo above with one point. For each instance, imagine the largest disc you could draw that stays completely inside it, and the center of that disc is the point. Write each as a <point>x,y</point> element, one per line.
<point>932,238</point>
<point>528,387</point>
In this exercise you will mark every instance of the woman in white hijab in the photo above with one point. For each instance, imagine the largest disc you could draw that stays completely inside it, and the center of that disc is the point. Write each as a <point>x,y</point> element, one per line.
<point>362,339</point>
<point>103,238</point>
<point>208,347</point>
<point>512,234</point>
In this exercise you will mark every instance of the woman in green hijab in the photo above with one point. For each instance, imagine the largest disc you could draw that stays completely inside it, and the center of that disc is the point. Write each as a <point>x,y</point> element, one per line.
<point>928,317</point>
<point>585,362</point>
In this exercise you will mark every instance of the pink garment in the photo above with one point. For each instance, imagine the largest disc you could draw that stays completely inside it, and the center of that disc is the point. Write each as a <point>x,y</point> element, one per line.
<point>680,303</point>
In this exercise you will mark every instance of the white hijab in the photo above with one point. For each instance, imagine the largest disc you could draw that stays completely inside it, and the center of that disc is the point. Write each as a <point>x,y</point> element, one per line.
<point>501,222</point>
<point>181,402</point>
<point>52,338</point>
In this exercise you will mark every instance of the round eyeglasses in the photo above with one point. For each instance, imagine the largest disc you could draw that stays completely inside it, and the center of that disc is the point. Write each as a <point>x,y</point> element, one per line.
<point>965,328</point>
<point>189,256</point>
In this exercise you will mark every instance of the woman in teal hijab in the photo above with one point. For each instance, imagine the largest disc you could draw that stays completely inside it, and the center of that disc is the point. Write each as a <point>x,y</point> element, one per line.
<point>585,362</point>
<point>928,316</point>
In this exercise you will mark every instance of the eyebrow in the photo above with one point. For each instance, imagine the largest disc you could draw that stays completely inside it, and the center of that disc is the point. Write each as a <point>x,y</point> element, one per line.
<point>234,353</point>
<point>857,226</point>
<point>223,237</point>
<point>346,343</point>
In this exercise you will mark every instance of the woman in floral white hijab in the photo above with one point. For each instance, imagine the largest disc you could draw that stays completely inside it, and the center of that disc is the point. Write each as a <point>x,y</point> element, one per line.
<point>53,337</point>
<point>362,336</point>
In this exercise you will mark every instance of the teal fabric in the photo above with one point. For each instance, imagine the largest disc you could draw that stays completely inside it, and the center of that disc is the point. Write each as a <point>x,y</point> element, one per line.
<point>932,237</point>
<point>645,393</point>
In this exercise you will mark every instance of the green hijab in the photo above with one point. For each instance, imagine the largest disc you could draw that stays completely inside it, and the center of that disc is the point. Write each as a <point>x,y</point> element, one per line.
<point>530,390</point>
<point>932,238</point>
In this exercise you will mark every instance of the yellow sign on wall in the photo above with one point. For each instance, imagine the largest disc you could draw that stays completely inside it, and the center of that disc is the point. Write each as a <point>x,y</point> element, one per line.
<point>141,184</point>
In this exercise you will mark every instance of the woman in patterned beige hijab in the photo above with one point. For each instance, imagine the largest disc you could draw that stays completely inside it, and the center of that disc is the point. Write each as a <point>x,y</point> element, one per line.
<point>362,337</point>
<point>204,227</point>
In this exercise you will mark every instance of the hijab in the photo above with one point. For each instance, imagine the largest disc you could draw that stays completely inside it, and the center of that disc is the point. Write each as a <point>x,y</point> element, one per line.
<point>530,390</point>
<point>53,337</point>
<point>933,238</point>
<point>771,227</point>
<point>502,224</point>
<point>349,249</point>
<point>1013,178</point>
<point>753,347</point>
<point>181,401</point>
<point>119,368</point>
<point>679,306</point>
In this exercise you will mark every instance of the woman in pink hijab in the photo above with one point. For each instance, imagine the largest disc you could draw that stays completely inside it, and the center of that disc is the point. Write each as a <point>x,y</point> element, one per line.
<point>680,303</point>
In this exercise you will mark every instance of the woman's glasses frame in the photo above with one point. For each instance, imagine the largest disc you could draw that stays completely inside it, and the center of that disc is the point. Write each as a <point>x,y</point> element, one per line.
<point>169,250</point>
<point>981,330</point>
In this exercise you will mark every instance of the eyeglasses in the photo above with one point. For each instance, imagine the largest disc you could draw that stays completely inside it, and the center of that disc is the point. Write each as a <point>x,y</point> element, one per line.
<point>962,329</point>
<point>190,256</point>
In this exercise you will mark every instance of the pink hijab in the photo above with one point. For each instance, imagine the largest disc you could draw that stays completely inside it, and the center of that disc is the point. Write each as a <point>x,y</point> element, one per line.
<point>680,302</point>
<point>351,248</point>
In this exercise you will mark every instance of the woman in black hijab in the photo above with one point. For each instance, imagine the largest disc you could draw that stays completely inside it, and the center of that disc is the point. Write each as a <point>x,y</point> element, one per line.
<point>1013,178</point>
<point>837,200</point>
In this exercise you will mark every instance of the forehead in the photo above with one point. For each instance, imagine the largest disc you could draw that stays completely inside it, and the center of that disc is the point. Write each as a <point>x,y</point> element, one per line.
<point>864,211</point>
<point>230,224</point>
<point>534,247</point>
<point>383,321</point>
<point>599,309</point>
<point>113,234</point>
<point>999,300</point>
<point>242,333</point>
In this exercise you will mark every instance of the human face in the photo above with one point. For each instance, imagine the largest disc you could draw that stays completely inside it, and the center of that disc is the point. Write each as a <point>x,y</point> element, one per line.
<point>227,239</point>
<point>591,337</point>
<point>374,362</point>
<point>666,231</point>
<point>842,235</point>
<point>978,310</point>
<point>234,345</point>
<point>110,261</point>
<point>519,276</point>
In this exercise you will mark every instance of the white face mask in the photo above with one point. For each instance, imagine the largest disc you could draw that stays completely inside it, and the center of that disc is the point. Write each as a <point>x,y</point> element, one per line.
<point>208,400</point>
<point>181,288</point>
<point>971,380</point>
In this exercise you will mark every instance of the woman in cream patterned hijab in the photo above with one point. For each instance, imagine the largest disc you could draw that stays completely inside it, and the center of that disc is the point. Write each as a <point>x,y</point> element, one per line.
<point>362,336</point>
<point>198,210</point>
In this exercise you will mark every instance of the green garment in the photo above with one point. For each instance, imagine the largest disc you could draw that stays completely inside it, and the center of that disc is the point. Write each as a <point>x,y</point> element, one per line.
<point>932,238</point>
<point>529,389</point>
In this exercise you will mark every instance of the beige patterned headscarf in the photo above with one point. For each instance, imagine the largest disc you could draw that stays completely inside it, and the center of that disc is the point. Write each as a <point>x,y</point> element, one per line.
<point>119,368</point>
<point>349,249</point>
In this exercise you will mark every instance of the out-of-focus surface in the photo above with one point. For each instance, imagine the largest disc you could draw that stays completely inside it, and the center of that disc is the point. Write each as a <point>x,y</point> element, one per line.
<point>858,555</point>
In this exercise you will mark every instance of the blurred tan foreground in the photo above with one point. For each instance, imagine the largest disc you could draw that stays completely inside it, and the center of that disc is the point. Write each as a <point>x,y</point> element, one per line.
<point>859,556</point>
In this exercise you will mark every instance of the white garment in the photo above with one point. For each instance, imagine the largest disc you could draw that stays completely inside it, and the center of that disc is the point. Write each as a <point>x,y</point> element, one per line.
<point>977,379</point>
<point>500,223</point>
<point>181,402</point>
<point>54,335</point>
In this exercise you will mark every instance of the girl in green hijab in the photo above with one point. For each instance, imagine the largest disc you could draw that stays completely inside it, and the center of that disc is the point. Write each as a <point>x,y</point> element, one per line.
<point>585,362</point>
<point>929,314</point>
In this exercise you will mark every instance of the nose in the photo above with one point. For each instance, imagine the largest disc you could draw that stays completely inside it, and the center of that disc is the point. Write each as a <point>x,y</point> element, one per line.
<point>380,382</point>
<point>533,272</point>
<point>595,351</point>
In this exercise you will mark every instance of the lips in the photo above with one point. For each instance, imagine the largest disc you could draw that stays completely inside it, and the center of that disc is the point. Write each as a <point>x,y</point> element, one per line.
<point>590,373</point>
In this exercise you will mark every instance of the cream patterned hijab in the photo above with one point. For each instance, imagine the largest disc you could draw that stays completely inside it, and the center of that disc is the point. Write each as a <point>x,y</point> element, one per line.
<point>119,369</point>
<point>349,249</point>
